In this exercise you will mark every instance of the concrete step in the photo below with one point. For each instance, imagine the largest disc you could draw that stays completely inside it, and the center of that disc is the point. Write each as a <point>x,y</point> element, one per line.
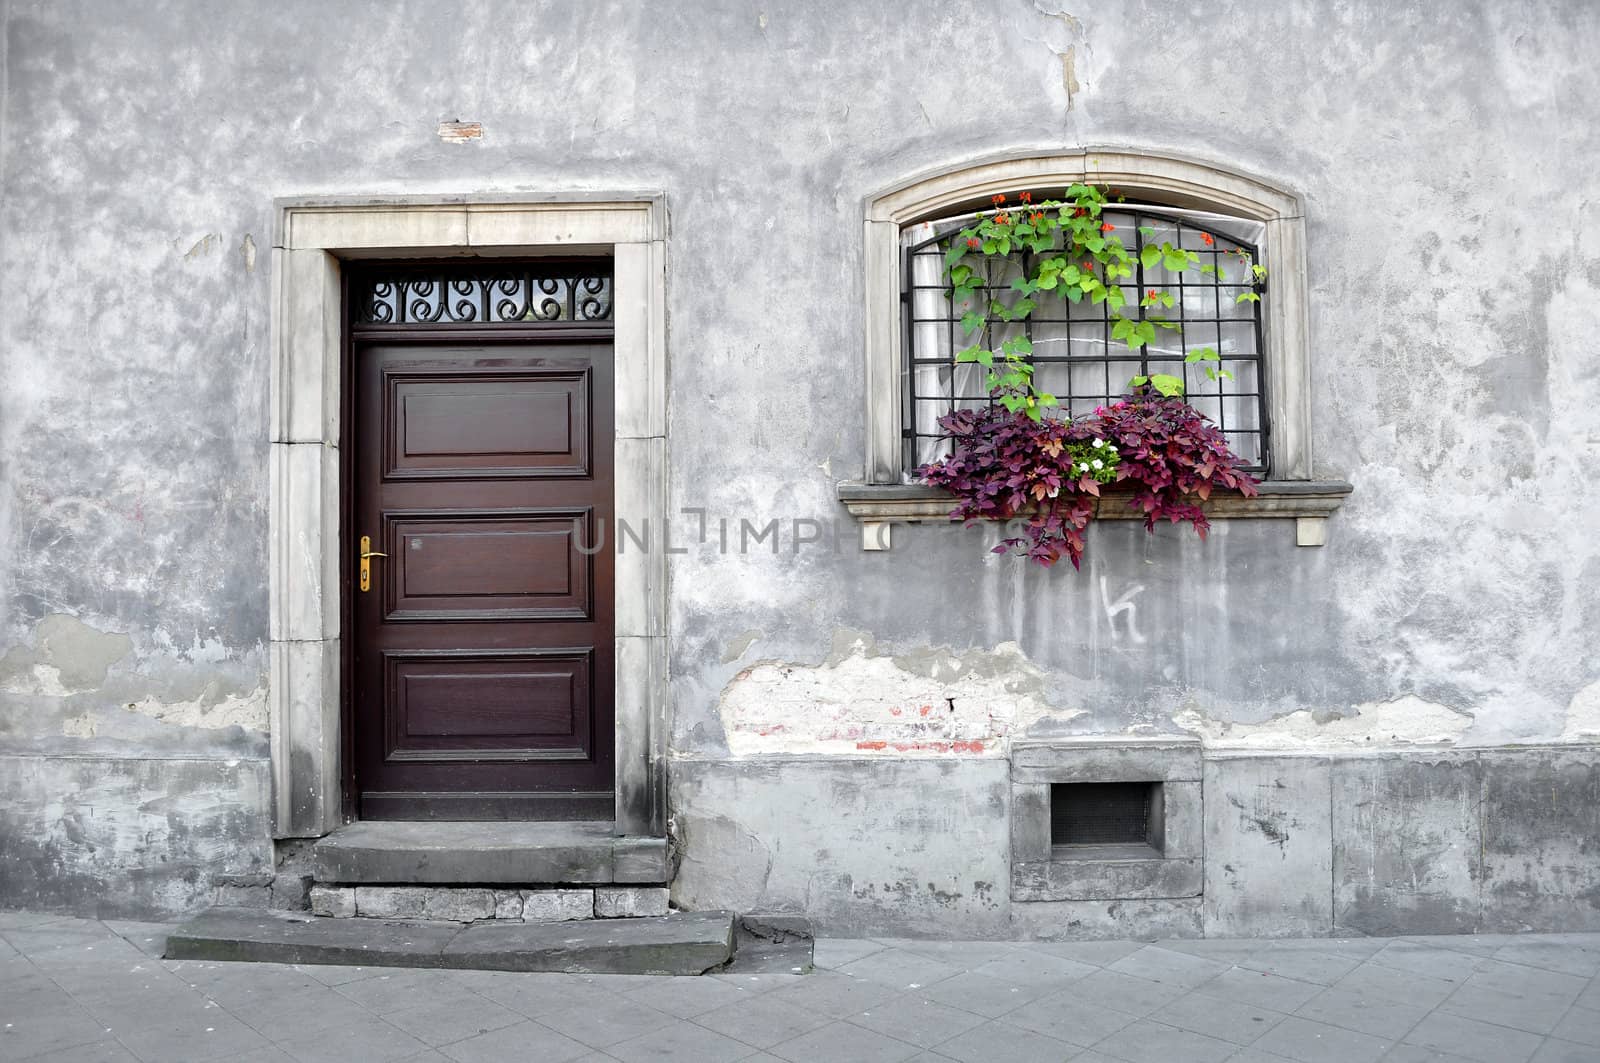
<point>682,943</point>
<point>487,854</point>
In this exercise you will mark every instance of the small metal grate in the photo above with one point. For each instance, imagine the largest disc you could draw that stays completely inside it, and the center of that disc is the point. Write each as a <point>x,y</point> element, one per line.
<point>1100,813</point>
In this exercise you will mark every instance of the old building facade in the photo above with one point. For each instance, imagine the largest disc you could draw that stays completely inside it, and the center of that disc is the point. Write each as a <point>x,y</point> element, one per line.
<point>496,411</point>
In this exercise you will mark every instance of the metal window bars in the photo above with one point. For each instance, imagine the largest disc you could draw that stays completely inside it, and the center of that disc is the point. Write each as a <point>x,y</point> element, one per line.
<point>1074,356</point>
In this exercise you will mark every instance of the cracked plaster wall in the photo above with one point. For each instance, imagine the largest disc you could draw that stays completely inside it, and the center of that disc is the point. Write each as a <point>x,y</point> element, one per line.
<point>140,147</point>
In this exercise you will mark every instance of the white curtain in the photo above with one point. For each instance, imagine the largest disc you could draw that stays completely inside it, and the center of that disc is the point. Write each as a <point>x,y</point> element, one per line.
<point>935,337</point>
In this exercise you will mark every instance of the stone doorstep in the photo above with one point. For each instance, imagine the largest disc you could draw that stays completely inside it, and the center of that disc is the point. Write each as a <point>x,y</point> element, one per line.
<point>471,904</point>
<point>488,854</point>
<point>685,943</point>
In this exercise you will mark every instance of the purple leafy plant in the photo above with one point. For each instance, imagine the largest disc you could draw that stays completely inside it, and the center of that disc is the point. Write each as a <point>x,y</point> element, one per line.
<point>1004,464</point>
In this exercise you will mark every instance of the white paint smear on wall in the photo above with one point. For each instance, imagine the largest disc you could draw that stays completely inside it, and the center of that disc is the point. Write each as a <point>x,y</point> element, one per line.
<point>935,703</point>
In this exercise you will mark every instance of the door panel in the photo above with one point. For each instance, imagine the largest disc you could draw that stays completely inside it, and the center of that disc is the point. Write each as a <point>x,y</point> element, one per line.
<point>451,424</point>
<point>482,673</point>
<point>489,566</point>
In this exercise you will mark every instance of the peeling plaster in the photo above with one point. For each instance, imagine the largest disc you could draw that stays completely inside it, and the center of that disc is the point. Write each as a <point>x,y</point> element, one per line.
<point>739,645</point>
<point>1405,721</point>
<point>212,709</point>
<point>67,656</point>
<point>75,663</point>
<point>1067,54</point>
<point>1583,715</point>
<point>927,702</point>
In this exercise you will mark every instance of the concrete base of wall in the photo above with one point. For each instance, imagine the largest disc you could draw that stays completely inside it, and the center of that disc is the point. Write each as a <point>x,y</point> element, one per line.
<point>130,838</point>
<point>1400,842</point>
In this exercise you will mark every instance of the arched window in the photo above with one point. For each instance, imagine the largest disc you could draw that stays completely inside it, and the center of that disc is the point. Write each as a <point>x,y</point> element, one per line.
<point>911,376</point>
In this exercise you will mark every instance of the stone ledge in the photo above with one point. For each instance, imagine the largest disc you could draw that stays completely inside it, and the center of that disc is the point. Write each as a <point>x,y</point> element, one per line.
<point>1278,499</point>
<point>1151,878</point>
<point>488,854</point>
<point>683,944</point>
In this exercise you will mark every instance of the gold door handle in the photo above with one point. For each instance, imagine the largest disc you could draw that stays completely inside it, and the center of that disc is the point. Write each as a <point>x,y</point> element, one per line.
<point>368,552</point>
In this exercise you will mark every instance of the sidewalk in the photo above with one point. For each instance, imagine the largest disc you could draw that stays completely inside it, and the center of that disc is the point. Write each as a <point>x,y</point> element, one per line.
<point>74,989</point>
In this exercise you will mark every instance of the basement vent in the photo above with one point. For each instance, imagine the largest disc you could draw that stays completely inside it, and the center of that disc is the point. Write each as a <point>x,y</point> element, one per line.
<point>1104,813</point>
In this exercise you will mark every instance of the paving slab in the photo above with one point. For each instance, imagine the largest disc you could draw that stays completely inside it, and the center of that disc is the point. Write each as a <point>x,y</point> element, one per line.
<point>74,990</point>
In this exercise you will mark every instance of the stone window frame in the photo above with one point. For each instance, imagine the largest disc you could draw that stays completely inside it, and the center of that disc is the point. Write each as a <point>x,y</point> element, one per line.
<point>1042,872</point>
<point>312,237</point>
<point>884,496</point>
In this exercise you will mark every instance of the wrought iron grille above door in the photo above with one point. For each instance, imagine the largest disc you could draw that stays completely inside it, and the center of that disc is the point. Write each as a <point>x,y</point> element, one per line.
<point>558,293</point>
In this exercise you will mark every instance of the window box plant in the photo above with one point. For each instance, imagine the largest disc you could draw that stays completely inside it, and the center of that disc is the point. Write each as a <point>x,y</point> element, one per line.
<point>1022,455</point>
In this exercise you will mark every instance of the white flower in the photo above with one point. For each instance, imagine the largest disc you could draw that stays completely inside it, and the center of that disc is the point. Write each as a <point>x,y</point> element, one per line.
<point>1098,464</point>
<point>1083,466</point>
<point>1054,491</point>
<point>1113,450</point>
<point>1099,443</point>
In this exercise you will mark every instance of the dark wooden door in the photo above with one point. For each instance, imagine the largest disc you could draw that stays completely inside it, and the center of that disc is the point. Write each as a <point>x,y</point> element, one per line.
<point>482,671</point>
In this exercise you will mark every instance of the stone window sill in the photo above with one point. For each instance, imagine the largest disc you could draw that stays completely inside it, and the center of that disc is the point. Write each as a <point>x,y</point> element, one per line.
<point>1307,502</point>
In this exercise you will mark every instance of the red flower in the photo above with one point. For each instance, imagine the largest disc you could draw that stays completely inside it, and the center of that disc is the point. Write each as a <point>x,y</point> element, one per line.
<point>974,243</point>
<point>1206,237</point>
<point>1151,294</point>
<point>1026,197</point>
<point>1089,266</point>
<point>1002,219</point>
<point>1036,217</point>
<point>1108,227</point>
<point>997,200</point>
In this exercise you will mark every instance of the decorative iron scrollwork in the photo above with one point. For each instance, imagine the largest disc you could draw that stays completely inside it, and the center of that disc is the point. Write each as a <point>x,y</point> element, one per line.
<point>513,296</point>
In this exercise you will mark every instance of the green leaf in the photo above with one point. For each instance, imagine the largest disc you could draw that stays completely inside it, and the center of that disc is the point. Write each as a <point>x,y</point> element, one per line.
<point>974,353</point>
<point>986,358</point>
<point>1004,245</point>
<point>957,252</point>
<point>1204,354</point>
<point>1146,231</point>
<point>1247,297</point>
<point>1149,256</point>
<point>1174,258</point>
<point>1047,281</point>
<point>1170,386</point>
<point>971,321</point>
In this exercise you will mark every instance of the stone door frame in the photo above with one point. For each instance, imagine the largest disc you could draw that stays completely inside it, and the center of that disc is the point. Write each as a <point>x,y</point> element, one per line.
<point>312,237</point>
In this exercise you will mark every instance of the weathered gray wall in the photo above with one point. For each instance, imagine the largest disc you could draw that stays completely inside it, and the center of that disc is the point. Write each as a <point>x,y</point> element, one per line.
<point>1444,157</point>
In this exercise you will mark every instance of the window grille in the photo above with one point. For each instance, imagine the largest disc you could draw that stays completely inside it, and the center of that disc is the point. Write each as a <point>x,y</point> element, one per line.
<point>1101,813</point>
<point>1074,356</point>
<point>564,294</point>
